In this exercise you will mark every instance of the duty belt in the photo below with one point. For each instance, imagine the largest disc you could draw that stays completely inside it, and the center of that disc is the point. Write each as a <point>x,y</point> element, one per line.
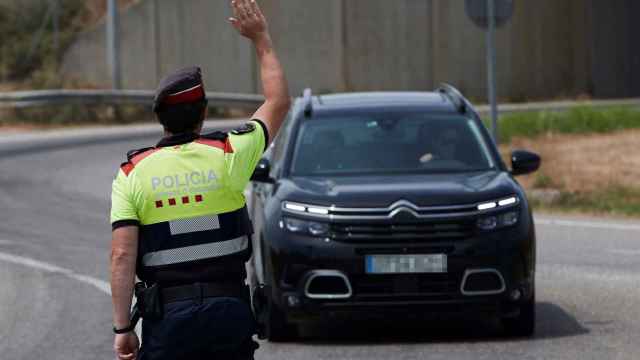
<point>199,291</point>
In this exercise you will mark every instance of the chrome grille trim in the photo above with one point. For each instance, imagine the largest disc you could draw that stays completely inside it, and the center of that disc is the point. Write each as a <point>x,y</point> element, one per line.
<point>387,213</point>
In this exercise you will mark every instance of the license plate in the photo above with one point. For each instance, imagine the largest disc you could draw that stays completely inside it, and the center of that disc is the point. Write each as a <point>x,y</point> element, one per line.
<point>405,264</point>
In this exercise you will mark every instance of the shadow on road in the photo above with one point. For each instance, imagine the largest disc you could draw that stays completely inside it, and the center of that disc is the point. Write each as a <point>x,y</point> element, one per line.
<point>552,322</point>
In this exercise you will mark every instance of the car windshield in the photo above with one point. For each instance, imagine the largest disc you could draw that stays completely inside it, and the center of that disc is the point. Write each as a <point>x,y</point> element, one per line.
<point>390,144</point>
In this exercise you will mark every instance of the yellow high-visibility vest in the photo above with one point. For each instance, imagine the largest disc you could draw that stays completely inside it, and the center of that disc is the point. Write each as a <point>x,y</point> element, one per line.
<point>186,195</point>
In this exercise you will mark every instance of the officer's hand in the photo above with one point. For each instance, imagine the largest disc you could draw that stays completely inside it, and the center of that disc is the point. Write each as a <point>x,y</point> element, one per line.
<point>126,346</point>
<point>248,19</point>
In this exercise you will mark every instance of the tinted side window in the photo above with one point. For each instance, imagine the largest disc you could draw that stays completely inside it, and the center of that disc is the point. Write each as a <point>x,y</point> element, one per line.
<point>278,151</point>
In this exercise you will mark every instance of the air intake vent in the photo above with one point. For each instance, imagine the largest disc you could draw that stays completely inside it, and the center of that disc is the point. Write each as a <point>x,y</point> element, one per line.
<point>482,282</point>
<point>327,284</point>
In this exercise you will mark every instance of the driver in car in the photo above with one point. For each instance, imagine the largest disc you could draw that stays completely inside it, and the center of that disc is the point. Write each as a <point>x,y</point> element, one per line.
<point>441,143</point>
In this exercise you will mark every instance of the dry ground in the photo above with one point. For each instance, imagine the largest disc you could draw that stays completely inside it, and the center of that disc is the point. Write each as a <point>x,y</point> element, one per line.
<point>583,163</point>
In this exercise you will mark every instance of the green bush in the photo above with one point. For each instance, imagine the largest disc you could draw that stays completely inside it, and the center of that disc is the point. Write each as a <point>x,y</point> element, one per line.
<point>21,54</point>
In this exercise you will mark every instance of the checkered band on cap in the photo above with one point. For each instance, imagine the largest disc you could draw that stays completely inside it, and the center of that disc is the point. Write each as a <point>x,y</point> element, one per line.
<point>182,86</point>
<point>191,225</point>
<point>197,252</point>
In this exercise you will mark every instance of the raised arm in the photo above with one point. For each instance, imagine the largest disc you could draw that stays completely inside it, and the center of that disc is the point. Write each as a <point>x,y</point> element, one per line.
<point>250,22</point>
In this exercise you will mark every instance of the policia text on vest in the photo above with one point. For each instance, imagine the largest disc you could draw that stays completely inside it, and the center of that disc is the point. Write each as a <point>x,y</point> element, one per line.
<point>180,221</point>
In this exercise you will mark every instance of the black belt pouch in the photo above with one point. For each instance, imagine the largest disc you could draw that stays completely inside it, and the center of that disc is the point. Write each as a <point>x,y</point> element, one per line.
<point>150,302</point>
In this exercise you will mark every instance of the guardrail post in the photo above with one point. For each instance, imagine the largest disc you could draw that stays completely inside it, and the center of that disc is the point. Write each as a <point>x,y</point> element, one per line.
<point>113,45</point>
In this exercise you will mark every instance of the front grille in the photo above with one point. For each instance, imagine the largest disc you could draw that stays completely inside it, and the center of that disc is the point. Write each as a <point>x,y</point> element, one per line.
<point>416,232</point>
<point>406,287</point>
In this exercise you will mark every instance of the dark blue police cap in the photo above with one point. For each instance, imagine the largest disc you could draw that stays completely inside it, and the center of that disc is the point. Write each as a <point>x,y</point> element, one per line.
<point>183,86</point>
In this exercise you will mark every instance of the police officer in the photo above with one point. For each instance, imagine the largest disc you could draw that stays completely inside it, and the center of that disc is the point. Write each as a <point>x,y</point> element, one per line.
<point>180,222</point>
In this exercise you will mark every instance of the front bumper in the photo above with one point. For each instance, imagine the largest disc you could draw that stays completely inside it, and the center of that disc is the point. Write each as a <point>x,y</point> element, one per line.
<point>508,252</point>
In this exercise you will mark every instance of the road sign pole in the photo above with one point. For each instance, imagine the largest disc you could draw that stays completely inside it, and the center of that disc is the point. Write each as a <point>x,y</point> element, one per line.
<point>491,67</point>
<point>113,46</point>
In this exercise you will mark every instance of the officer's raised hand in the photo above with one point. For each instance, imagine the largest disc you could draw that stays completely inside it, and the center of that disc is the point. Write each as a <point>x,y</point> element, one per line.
<point>251,23</point>
<point>248,19</point>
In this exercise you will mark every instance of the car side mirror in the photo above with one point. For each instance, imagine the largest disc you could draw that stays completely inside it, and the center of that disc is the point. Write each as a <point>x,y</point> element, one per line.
<point>261,173</point>
<point>524,162</point>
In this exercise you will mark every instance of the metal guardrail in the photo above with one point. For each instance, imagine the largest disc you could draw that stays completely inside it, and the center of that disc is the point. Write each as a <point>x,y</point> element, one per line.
<point>22,99</point>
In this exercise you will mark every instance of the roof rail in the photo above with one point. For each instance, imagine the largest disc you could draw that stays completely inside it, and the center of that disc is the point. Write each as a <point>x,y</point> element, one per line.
<point>307,98</point>
<point>455,96</point>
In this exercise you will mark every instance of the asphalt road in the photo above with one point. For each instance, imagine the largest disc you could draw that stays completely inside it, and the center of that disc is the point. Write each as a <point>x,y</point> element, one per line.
<point>54,303</point>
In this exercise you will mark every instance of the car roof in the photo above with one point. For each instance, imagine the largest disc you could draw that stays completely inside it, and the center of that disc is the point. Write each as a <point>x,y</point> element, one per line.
<point>368,101</point>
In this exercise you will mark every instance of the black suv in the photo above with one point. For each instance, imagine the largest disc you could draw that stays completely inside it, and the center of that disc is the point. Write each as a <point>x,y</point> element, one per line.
<point>381,204</point>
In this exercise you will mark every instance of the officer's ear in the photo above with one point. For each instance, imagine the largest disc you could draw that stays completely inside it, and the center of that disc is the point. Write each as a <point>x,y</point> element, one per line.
<point>205,110</point>
<point>198,129</point>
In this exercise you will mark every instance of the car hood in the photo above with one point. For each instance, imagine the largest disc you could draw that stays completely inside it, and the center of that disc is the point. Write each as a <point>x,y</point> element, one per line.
<point>382,191</point>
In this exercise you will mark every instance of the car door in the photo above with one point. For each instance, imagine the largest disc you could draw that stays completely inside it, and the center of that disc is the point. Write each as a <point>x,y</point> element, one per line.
<point>261,193</point>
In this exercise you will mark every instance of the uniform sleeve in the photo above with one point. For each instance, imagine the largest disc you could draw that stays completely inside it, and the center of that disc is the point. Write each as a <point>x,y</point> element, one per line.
<point>248,147</point>
<point>123,210</point>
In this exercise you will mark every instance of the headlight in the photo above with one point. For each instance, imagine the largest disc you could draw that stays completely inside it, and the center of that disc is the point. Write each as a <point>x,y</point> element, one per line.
<point>488,223</point>
<point>306,227</point>
<point>295,225</point>
<point>497,221</point>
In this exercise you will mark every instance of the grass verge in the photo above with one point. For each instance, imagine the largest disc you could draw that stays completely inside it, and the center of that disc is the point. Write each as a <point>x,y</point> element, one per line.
<point>615,201</point>
<point>588,161</point>
<point>579,120</point>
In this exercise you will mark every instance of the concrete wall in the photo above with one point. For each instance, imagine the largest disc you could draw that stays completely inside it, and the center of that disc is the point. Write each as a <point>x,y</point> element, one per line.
<point>308,35</point>
<point>388,45</point>
<point>158,36</point>
<point>550,48</point>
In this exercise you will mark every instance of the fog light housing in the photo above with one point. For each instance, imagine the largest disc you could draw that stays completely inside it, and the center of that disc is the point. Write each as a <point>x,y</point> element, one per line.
<point>487,223</point>
<point>515,295</point>
<point>293,301</point>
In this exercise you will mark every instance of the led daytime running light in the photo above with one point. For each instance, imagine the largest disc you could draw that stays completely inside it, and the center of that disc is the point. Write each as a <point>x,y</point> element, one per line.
<point>494,204</point>
<point>320,211</point>
<point>306,208</point>
<point>295,207</point>
<point>487,206</point>
<point>508,201</point>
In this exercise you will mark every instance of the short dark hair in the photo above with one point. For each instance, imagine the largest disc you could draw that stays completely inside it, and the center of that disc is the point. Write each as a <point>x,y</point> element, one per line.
<point>181,118</point>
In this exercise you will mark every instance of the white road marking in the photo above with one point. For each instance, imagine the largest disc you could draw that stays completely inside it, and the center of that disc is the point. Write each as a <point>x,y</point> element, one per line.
<point>39,265</point>
<point>589,224</point>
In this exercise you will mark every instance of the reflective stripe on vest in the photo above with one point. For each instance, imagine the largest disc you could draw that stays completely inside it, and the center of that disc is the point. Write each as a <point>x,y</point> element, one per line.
<point>201,238</point>
<point>196,252</point>
<point>191,225</point>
